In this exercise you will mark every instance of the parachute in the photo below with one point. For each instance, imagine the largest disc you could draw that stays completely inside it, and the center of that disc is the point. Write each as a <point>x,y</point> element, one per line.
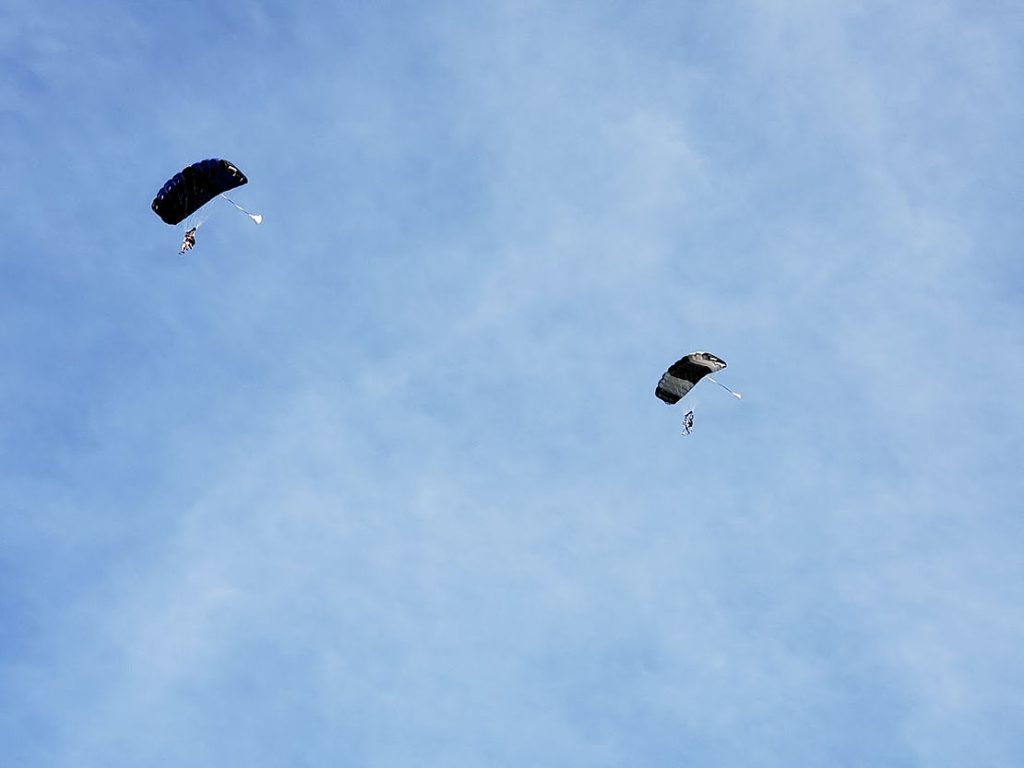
<point>188,191</point>
<point>185,193</point>
<point>683,375</point>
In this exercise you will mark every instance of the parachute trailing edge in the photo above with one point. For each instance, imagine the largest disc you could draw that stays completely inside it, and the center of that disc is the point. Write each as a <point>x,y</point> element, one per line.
<point>684,374</point>
<point>188,191</point>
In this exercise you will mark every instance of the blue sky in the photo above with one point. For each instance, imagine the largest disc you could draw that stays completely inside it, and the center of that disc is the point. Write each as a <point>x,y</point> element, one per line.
<point>383,482</point>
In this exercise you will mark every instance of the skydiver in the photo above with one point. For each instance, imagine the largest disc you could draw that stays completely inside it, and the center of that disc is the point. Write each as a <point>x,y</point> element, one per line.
<point>688,423</point>
<point>189,242</point>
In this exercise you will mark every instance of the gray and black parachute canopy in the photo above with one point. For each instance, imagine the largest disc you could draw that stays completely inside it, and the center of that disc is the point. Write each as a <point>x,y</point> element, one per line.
<point>684,373</point>
<point>188,191</point>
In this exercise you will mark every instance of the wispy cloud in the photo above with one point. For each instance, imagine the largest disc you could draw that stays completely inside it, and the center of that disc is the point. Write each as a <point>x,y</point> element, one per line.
<point>384,481</point>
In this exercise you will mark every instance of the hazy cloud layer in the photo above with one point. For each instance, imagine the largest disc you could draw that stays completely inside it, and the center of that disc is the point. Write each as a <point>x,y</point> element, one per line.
<point>383,481</point>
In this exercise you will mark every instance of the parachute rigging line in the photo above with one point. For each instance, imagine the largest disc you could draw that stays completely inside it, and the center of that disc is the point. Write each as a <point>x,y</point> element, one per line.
<point>256,217</point>
<point>737,395</point>
<point>198,219</point>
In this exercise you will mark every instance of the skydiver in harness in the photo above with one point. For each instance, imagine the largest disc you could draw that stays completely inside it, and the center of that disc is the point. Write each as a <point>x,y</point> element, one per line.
<point>688,423</point>
<point>189,242</point>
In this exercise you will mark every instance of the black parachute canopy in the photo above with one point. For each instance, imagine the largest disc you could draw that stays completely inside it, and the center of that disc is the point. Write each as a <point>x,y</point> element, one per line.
<point>188,191</point>
<point>684,373</point>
